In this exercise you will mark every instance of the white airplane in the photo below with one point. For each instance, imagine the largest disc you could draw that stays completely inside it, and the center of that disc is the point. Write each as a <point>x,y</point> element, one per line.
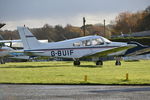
<point>4,52</point>
<point>17,44</point>
<point>8,50</point>
<point>88,46</point>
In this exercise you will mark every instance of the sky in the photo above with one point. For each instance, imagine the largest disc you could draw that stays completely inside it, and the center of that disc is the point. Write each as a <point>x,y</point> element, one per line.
<point>36,13</point>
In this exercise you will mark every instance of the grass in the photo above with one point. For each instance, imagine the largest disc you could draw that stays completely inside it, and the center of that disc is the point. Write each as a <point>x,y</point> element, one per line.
<point>59,72</point>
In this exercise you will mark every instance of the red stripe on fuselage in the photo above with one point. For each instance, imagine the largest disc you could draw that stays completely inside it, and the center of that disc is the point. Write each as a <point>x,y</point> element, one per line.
<point>72,48</point>
<point>3,49</point>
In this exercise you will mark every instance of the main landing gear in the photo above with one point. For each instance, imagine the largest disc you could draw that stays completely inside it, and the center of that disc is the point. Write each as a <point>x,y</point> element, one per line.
<point>2,61</point>
<point>76,62</point>
<point>117,63</point>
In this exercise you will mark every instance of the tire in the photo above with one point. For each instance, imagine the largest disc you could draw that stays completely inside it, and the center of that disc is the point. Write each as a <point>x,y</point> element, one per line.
<point>118,63</point>
<point>76,63</point>
<point>99,63</point>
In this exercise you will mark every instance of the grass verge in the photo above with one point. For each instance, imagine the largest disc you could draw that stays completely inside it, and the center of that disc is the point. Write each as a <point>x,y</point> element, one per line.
<point>60,72</point>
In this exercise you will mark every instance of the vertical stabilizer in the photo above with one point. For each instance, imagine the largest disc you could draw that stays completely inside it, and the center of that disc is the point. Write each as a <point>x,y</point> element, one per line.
<point>28,39</point>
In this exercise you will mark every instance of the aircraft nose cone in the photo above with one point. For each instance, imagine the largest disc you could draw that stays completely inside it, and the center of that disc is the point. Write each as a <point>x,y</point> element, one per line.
<point>124,44</point>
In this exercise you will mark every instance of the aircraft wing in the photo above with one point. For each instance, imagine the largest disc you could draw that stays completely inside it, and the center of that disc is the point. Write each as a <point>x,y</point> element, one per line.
<point>112,52</point>
<point>139,52</point>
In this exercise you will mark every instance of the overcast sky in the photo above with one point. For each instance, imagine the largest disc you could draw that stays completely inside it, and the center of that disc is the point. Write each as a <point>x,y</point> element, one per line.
<point>36,13</point>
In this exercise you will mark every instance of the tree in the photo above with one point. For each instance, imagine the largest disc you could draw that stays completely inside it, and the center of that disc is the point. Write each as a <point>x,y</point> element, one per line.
<point>144,24</point>
<point>127,22</point>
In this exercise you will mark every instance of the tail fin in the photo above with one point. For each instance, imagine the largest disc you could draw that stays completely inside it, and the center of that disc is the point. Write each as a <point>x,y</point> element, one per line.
<point>28,39</point>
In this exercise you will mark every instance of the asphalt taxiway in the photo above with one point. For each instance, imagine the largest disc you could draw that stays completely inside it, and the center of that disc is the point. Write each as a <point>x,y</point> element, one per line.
<point>73,92</point>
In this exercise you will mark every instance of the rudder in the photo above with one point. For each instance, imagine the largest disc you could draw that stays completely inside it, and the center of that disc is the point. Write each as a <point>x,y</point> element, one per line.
<point>28,39</point>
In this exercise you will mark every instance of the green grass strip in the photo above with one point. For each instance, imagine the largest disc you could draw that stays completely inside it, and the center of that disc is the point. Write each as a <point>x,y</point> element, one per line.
<point>63,72</point>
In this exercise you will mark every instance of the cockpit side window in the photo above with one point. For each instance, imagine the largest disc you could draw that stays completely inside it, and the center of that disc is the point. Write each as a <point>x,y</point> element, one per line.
<point>97,41</point>
<point>76,44</point>
<point>86,43</point>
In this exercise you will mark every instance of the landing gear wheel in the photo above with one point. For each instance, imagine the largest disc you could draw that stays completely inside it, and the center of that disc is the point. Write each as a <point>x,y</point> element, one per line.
<point>76,63</point>
<point>99,62</point>
<point>118,63</point>
<point>2,61</point>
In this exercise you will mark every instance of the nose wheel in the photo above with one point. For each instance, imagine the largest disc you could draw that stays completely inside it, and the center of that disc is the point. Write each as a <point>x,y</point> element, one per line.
<point>118,62</point>
<point>100,62</point>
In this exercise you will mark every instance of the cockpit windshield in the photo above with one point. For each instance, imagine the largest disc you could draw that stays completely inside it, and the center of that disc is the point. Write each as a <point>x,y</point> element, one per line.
<point>92,42</point>
<point>105,40</point>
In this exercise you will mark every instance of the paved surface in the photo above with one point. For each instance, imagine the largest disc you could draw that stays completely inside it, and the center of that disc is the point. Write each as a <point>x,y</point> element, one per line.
<point>73,92</point>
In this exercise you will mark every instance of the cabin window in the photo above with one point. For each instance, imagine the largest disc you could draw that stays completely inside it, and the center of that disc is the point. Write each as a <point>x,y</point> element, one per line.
<point>97,41</point>
<point>77,44</point>
<point>86,43</point>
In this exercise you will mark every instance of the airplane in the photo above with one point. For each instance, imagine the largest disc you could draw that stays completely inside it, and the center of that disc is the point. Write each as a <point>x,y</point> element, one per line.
<point>93,46</point>
<point>4,52</point>
<point>16,45</point>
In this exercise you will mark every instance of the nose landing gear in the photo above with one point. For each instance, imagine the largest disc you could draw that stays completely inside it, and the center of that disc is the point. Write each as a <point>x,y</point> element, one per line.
<point>118,62</point>
<point>76,62</point>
